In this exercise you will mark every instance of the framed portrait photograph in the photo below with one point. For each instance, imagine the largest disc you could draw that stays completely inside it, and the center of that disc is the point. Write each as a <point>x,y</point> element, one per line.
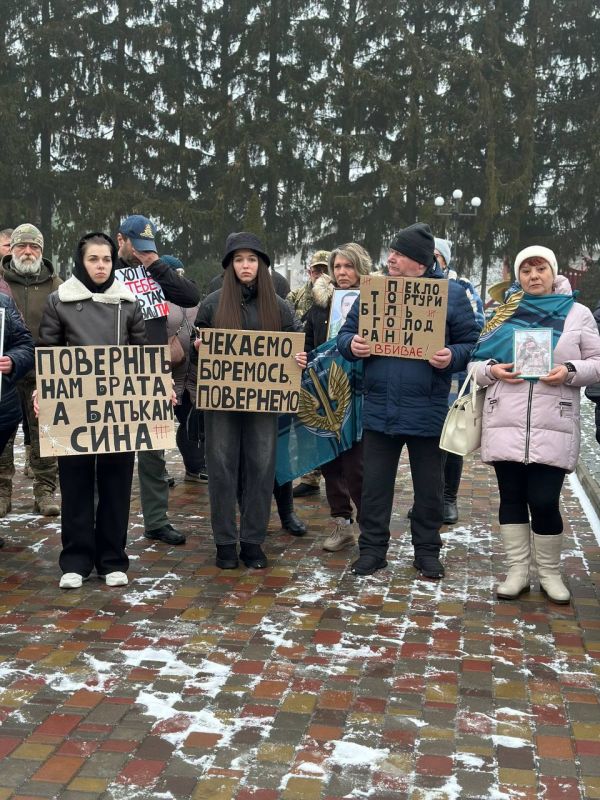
<point>341,303</point>
<point>532,352</point>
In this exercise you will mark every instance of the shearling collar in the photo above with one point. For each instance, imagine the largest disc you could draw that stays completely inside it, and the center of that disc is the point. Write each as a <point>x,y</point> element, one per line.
<point>73,290</point>
<point>323,290</point>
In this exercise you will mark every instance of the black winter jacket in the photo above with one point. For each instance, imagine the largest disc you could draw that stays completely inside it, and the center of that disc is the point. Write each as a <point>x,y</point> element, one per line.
<point>404,396</point>
<point>176,289</point>
<point>209,305</point>
<point>18,346</point>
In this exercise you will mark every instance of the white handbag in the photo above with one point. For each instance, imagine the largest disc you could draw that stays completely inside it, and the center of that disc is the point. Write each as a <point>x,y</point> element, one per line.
<point>461,433</point>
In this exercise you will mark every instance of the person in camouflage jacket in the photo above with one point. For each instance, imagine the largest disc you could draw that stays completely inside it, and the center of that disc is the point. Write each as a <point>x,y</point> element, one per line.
<point>31,279</point>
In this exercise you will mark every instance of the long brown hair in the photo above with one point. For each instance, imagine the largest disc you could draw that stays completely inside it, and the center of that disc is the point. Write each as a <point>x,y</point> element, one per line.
<point>229,311</point>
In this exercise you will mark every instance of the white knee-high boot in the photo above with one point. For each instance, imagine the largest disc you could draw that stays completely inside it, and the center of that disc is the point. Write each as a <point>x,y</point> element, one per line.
<point>547,549</point>
<point>517,546</point>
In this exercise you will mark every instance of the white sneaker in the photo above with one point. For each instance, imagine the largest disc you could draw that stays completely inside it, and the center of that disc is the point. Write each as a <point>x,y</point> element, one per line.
<point>115,579</point>
<point>71,580</point>
<point>341,535</point>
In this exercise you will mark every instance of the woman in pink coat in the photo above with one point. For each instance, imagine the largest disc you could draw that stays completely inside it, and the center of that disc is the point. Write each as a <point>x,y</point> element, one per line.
<point>531,426</point>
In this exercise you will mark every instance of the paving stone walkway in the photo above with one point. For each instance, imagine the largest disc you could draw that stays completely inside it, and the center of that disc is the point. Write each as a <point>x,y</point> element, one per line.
<point>299,682</point>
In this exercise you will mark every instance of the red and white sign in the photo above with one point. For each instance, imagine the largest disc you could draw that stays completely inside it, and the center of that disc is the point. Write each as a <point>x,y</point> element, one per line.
<point>147,291</point>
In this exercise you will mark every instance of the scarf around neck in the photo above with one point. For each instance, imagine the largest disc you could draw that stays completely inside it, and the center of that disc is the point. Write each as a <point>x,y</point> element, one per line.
<point>521,312</point>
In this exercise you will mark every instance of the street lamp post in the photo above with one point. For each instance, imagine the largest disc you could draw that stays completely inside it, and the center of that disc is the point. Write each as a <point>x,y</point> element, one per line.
<point>456,213</point>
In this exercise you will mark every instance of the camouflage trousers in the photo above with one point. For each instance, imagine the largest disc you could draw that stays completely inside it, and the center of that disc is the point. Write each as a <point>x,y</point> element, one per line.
<point>44,469</point>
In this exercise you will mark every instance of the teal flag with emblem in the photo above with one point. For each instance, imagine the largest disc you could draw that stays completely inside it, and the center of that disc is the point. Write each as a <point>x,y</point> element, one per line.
<point>329,418</point>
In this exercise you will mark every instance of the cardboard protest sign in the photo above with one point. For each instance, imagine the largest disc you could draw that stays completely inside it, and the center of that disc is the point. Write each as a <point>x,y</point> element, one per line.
<point>403,317</point>
<point>104,399</point>
<point>249,371</point>
<point>147,291</point>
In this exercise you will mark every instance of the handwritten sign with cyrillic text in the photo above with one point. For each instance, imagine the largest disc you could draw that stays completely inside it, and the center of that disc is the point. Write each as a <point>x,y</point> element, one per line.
<point>104,399</point>
<point>403,317</point>
<point>249,371</point>
<point>148,293</point>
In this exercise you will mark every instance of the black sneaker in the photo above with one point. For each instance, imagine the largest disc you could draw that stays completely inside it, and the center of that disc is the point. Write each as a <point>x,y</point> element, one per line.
<point>367,564</point>
<point>429,566</point>
<point>167,534</point>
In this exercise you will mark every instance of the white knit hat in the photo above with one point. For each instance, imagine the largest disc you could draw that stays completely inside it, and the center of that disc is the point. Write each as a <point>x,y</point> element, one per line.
<point>538,251</point>
<point>445,248</point>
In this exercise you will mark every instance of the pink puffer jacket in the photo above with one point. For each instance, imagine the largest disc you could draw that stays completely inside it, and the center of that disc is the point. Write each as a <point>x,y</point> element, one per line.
<point>532,422</point>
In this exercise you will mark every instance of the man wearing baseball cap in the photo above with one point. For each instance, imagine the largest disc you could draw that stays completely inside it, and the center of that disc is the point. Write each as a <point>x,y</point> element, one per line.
<point>406,404</point>
<point>31,278</point>
<point>137,245</point>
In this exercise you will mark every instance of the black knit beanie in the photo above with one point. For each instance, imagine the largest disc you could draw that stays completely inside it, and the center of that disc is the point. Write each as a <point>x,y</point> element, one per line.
<point>244,241</point>
<point>416,242</point>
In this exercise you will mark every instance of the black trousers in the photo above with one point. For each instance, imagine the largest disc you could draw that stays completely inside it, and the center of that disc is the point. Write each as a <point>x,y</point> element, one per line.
<point>240,451</point>
<point>530,489</point>
<point>95,539</point>
<point>381,454</point>
<point>190,445</point>
<point>6,435</point>
<point>343,481</point>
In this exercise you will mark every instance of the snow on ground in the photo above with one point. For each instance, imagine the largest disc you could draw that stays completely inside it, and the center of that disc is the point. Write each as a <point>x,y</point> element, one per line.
<point>588,508</point>
<point>177,714</point>
<point>118,791</point>
<point>348,754</point>
<point>451,790</point>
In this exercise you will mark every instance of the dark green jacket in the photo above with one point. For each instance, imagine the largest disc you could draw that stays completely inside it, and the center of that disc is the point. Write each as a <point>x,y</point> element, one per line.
<point>30,292</point>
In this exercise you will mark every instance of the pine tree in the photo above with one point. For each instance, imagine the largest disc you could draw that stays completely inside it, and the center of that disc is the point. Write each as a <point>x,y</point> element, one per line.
<point>253,221</point>
<point>222,186</point>
<point>17,165</point>
<point>114,141</point>
<point>181,133</point>
<point>496,79</point>
<point>571,143</point>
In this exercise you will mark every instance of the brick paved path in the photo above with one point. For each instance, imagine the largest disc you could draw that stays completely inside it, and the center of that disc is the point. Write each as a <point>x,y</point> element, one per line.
<point>299,681</point>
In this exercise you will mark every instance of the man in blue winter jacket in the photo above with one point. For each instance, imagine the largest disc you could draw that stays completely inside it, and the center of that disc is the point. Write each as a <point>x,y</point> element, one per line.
<point>405,403</point>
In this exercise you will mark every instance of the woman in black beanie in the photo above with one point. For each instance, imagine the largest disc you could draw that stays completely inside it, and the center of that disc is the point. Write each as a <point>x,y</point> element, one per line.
<point>240,445</point>
<point>92,308</point>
